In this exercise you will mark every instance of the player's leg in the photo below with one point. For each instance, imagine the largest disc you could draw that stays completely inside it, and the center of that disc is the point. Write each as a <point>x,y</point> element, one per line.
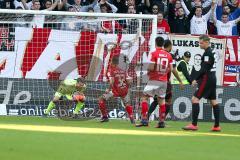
<point>102,106</point>
<point>162,113</point>
<point>144,107</point>
<point>52,103</point>
<point>149,91</point>
<point>216,113</point>
<point>129,108</point>
<point>168,104</point>
<point>195,113</point>
<point>153,106</point>
<point>168,98</point>
<point>79,98</point>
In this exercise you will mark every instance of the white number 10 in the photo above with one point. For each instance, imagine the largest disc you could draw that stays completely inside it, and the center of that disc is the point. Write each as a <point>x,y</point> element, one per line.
<point>162,64</point>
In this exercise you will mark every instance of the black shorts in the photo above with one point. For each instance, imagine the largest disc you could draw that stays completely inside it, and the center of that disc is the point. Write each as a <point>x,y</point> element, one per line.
<point>168,91</point>
<point>207,87</point>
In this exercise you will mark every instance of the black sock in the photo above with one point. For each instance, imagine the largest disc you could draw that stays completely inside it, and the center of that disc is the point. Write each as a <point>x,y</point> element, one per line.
<point>195,113</point>
<point>152,107</point>
<point>167,109</point>
<point>216,113</point>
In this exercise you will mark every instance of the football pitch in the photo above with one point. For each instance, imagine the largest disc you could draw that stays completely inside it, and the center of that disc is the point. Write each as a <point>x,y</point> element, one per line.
<point>36,138</point>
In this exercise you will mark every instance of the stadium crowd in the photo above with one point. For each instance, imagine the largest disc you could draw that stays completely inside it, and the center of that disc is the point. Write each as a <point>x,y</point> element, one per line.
<point>217,17</point>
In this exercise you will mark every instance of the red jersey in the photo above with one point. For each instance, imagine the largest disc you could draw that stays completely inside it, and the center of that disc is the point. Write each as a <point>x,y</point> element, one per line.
<point>120,85</point>
<point>162,60</point>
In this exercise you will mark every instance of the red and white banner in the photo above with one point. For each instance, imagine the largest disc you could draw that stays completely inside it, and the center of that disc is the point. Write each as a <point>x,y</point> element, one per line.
<point>232,61</point>
<point>43,53</point>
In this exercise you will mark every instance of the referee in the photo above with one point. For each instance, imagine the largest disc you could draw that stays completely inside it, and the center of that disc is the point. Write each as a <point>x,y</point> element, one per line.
<point>206,80</point>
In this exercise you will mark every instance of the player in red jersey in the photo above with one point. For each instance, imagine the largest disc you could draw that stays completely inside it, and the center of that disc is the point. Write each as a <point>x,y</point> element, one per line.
<point>119,84</point>
<point>168,97</point>
<point>160,66</point>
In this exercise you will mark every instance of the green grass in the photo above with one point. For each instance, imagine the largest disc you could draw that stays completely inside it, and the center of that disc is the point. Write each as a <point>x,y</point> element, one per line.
<point>29,145</point>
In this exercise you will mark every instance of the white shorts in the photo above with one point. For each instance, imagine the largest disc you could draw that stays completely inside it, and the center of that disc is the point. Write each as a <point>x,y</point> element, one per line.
<point>110,95</point>
<point>155,88</point>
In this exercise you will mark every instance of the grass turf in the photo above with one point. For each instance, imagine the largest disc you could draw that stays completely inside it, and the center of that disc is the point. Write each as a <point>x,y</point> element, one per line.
<point>30,145</point>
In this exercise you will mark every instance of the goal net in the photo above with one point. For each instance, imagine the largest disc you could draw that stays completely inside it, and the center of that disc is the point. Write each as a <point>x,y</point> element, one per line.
<point>41,48</point>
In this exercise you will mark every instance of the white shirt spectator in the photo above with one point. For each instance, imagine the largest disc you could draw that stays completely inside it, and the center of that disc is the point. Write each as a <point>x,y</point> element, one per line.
<point>17,4</point>
<point>198,25</point>
<point>97,7</point>
<point>225,28</point>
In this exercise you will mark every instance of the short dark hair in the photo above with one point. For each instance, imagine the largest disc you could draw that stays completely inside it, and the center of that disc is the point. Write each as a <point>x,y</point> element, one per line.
<point>204,38</point>
<point>198,7</point>
<point>159,41</point>
<point>115,59</point>
<point>225,6</point>
<point>225,14</point>
<point>167,43</point>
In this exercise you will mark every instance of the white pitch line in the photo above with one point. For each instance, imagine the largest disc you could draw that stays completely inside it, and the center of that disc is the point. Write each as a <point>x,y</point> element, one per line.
<point>83,130</point>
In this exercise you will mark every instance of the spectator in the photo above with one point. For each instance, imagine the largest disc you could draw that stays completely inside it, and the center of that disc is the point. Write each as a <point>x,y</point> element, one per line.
<point>7,4</point>
<point>70,22</point>
<point>181,21</point>
<point>47,4</point>
<point>130,25</point>
<point>90,24</point>
<point>21,19</point>
<point>159,3</point>
<point>109,26</point>
<point>233,4</point>
<point>140,6</point>
<point>79,5</point>
<point>38,20</point>
<point>198,23</point>
<point>225,26</point>
<point>121,5</point>
<point>162,25</point>
<point>231,16</point>
<point>173,12</point>
<point>80,8</point>
<point>106,4</point>
<point>36,5</point>
<point>155,9</point>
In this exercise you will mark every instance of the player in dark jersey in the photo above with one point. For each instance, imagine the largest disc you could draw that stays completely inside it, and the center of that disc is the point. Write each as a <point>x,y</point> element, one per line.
<point>168,97</point>
<point>119,84</point>
<point>207,83</point>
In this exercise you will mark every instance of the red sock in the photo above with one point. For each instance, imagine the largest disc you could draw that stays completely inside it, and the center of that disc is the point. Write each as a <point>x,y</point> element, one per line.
<point>162,112</point>
<point>102,107</point>
<point>129,110</point>
<point>144,110</point>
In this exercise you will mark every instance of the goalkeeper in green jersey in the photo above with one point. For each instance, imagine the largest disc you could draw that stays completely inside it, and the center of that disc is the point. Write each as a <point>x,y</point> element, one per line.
<point>73,90</point>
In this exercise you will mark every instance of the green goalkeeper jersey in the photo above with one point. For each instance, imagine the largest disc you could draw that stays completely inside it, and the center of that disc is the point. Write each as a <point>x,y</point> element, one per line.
<point>68,86</point>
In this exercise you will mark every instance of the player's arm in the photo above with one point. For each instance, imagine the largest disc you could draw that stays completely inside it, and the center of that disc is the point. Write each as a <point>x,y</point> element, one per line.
<point>175,73</point>
<point>214,17</point>
<point>54,5</point>
<point>151,66</point>
<point>183,68</point>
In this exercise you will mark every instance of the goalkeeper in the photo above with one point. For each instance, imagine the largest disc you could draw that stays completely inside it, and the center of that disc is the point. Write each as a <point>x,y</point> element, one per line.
<point>73,90</point>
